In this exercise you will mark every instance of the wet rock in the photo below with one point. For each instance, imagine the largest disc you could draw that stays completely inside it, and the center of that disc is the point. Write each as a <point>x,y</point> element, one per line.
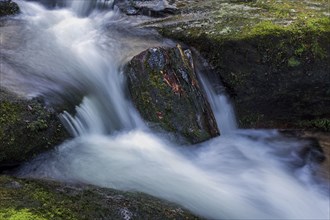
<point>266,91</point>
<point>27,127</point>
<point>7,7</point>
<point>316,150</point>
<point>151,8</point>
<point>38,199</point>
<point>273,59</point>
<point>307,151</point>
<point>164,88</point>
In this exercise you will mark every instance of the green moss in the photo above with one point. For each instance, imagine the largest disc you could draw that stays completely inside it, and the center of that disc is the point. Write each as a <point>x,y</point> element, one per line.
<point>293,62</point>
<point>241,19</point>
<point>273,52</point>
<point>251,120</point>
<point>53,206</point>
<point>322,124</point>
<point>37,125</point>
<point>265,28</point>
<point>22,214</point>
<point>300,50</point>
<point>8,115</point>
<point>289,9</point>
<point>8,7</point>
<point>39,202</point>
<point>8,112</point>
<point>26,128</point>
<point>24,199</point>
<point>160,88</point>
<point>318,50</point>
<point>316,26</point>
<point>196,133</point>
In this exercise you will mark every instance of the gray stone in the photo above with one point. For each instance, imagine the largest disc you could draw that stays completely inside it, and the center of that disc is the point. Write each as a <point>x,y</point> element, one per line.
<point>165,90</point>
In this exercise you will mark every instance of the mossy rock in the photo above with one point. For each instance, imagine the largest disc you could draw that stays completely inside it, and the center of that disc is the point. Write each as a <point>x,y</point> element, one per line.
<point>29,199</point>
<point>156,8</point>
<point>271,79</point>
<point>27,128</point>
<point>273,57</point>
<point>164,88</point>
<point>7,7</point>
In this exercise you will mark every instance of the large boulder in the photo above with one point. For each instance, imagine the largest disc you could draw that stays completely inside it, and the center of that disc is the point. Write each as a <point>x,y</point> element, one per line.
<point>27,128</point>
<point>272,56</point>
<point>7,7</point>
<point>164,88</point>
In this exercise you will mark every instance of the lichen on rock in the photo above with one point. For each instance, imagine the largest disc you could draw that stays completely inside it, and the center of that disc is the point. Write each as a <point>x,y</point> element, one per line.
<point>31,199</point>
<point>27,127</point>
<point>272,56</point>
<point>165,89</point>
<point>8,7</point>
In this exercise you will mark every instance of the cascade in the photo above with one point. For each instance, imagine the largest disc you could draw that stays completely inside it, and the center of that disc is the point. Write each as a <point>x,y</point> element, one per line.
<point>244,174</point>
<point>221,107</point>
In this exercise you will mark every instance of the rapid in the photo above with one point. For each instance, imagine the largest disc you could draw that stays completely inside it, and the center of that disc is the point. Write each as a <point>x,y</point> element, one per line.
<point>80,49</point>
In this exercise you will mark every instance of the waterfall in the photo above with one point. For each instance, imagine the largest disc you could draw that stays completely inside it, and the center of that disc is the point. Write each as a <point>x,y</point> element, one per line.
<point>81,7</point>
<point>244,174</point>
<point>221,107</point>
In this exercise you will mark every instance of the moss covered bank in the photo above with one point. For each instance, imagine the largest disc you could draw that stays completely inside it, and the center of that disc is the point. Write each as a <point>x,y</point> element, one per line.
<point>27,127</point>
<point>272,56</point>
<point>28,199</point>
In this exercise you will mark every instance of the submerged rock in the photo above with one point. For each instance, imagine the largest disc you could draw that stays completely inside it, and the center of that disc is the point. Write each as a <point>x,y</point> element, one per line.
<point>40,200</point>
<point>27,128</point>
<point>7,7</point>
<point>164,88</point>
<point>151,8</point>
<point>314,152</point>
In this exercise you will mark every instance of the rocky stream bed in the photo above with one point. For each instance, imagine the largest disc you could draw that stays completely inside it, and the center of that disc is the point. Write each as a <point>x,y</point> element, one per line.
<point>272,57</point>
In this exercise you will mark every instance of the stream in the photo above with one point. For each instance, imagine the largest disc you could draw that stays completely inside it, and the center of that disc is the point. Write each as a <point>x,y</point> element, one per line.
<point>79,49</point>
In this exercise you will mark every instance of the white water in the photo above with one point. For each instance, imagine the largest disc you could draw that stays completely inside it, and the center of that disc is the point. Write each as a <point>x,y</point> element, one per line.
<point>222,109</point>
<point>240,175</point>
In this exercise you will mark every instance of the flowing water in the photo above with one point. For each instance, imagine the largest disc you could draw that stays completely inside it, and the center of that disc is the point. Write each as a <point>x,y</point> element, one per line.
<point>244,174</point>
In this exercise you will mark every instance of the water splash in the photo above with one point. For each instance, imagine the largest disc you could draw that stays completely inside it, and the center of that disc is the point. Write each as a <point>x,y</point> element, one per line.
<point>221,107</point>
<point>232,177</point>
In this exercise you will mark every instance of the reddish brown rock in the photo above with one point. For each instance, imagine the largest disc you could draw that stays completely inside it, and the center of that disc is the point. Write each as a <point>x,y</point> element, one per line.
<point>165,90</point>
